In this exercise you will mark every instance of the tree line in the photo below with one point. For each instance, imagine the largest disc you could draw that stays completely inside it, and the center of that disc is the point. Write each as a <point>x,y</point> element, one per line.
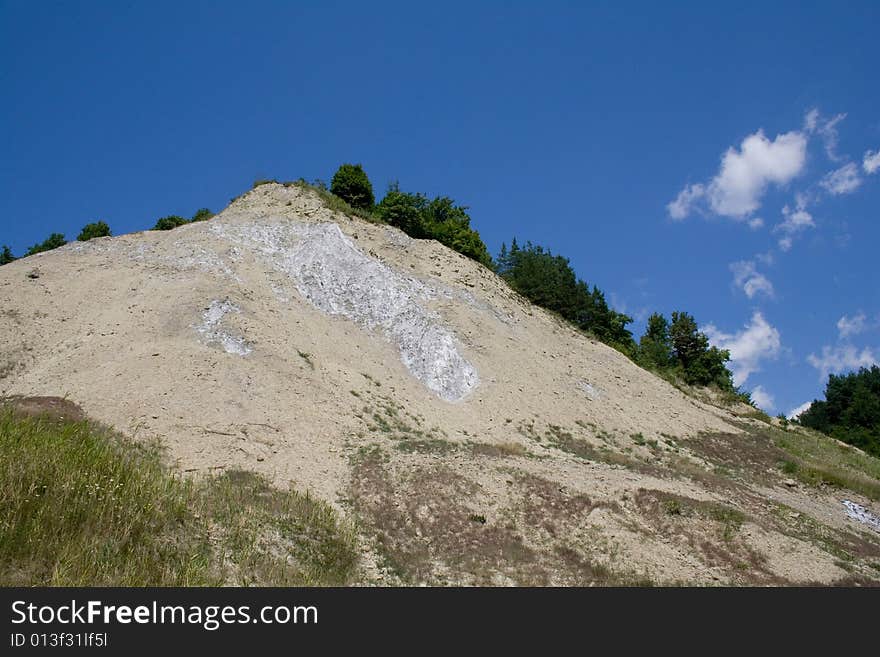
<point>851,409</point>
<point>676,349</point>
<point>97,229</point>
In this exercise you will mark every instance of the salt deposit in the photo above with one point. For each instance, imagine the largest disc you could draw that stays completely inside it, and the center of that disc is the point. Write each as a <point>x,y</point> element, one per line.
<point>335,276</point>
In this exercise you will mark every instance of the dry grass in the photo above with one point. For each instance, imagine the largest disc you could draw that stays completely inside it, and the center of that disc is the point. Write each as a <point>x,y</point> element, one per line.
<point>507,449</point>
<point>433,525</point>
<point>708,529</point>
<point>582,449</point>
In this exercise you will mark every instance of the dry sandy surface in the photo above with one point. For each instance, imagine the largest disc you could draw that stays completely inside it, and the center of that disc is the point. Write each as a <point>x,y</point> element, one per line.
<point>473,437</point>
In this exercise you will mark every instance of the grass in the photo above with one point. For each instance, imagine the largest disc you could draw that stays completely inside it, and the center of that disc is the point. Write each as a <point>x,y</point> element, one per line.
<point>426,446</point>
<point>307,357</point>
<point>499,450</point>
<point>391,419</point>
<point>80,505</point>
<point>330,200</point>
<point>333,202</point>
<point>277,538</point>
<point>672,507</point>
<point>729,518</point>
<point>567,442</point>
<point>816,459</point>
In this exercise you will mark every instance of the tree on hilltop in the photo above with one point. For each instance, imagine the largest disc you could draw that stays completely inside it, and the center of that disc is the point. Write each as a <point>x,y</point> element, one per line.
<point>93,230</point>
<point>351,184</point>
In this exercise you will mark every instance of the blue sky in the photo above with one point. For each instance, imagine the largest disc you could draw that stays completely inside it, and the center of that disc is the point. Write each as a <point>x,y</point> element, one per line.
<point>643,140</point>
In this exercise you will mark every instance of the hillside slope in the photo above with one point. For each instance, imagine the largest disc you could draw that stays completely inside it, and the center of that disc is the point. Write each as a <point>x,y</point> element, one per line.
<point>473,437</point>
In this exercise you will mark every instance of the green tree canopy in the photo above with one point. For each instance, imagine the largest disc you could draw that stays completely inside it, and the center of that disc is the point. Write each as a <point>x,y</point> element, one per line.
<point>170,222</point>
<point>52,242</point>
<point>700,363</point>
<point>549,281</point>
<point>851,409</point>
<point>6,255</point>
<point>202,215</point>
<point>403,210</point>
<point>655,346</point>
<point>440,219</point>
<point>351,184</point>
<point>93,230</point>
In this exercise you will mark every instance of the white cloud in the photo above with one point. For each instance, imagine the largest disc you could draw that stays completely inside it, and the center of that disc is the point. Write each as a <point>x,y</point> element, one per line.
<point>811,120</point>
<point>684,202</point>
<point>796,220</point>
<point>826,129</point>
<point>757,341</point>
<point>749,280</point>
<point>871,162</point>
<point>848,326</point>
<point>844,180</point>
<point>744,175</point>
<point>842,358</point>
<point>620,305</point>
<point>763,399</point>
<point>766,258</point>
<point>755,223</point>
<point>795,412</point>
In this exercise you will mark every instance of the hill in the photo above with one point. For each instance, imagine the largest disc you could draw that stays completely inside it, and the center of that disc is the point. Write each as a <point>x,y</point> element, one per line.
<point>471,437</point>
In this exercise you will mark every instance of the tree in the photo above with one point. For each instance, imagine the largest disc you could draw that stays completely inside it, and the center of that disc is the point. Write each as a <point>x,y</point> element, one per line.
<point>450,224</point>
<point>6,255</point>
<point>169,222</point>
<point>700,363</point>
<point>202,215</point>
<point>710,368</point>
<point>403,210</point>
<point>851,409</point>
<point>687,342</point>
<point>351,184</point>
<point>549,281</point>
<point>52,242</point>
<point>440,219</point>
<point>93,230</point>
<point>655,346</point>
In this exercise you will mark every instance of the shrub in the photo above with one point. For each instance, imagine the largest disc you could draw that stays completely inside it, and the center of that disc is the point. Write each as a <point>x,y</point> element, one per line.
<point>351,184</point>
<point>202,215</point>
<point>169,222</point>
<point>450,224</point>
<point>52,242</point>
<point>440,219</point>
<point>6,255</point>
<point>403,210</point>
<point>93,230</point>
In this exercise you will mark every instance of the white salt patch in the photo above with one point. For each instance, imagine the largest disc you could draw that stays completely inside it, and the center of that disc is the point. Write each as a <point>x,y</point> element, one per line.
<point>861,514</point>
<point>333,274</point>
<point>214,333</point>
<point>588,389</point>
